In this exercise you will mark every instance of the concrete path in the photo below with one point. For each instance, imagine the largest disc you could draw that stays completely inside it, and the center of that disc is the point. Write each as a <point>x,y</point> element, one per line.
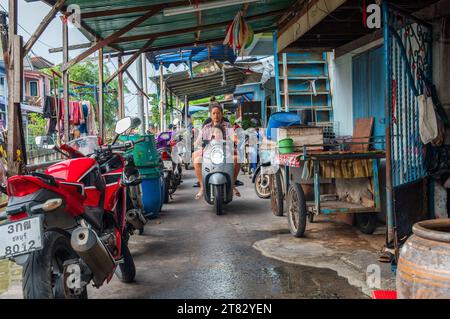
<point>189,252</point>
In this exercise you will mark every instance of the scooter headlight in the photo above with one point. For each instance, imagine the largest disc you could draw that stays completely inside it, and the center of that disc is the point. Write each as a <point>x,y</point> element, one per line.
<point>217,156</point>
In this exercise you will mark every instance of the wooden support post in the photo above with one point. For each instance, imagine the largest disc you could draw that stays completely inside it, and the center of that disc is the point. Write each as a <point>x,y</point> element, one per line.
<point>136,84</point>
<point>127,64</point>
<point>14,75</point>
<point>105,42</point>
<point>101,119</point>
<point>42,26</point>
<point>16,142</point>
<point>65,78</point>
<point>120,95</point>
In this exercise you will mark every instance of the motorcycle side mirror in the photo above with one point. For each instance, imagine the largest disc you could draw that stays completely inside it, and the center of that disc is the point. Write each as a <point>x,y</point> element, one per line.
<point>44,142</point>
<point>123,125</point>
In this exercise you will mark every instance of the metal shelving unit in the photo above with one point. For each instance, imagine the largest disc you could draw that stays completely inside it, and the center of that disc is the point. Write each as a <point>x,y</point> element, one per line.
<point>304,76</point>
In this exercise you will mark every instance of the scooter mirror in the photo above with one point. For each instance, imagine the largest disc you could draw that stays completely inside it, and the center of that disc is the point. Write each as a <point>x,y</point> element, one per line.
<point>135,122</point>
<point>44,142</point>
<point>123,125</point>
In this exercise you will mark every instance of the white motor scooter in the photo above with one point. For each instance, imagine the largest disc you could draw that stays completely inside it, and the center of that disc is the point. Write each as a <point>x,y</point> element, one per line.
<point>218,173</point>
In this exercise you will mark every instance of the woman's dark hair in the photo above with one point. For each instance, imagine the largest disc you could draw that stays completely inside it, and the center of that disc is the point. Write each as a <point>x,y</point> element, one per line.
<point>215,105</point>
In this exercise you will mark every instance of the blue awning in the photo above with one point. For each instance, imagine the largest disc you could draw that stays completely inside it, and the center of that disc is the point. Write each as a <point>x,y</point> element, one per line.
<point>196,108</point>
<point>219,53</point>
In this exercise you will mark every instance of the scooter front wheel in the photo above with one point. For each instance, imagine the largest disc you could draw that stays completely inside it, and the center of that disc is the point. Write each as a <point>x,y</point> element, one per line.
<point>218,199</point>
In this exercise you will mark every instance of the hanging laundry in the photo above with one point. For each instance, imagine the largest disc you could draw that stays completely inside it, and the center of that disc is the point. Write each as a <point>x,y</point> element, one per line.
<point>91,124</point>
<point>84,118</point>
<point>49,107</point>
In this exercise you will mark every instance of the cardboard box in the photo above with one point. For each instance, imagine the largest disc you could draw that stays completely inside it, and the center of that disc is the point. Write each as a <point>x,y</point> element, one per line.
<point>303,135</point>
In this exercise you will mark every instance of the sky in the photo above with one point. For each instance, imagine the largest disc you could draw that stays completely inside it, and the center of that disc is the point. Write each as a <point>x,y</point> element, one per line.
<point>31,14</point>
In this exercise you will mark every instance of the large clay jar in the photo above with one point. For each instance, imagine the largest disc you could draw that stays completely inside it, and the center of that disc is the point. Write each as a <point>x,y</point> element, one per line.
<point>423,270</point>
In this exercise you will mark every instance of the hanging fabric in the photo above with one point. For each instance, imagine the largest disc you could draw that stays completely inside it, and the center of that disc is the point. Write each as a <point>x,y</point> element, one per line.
<point>239,34</point>
<point>427,120</point>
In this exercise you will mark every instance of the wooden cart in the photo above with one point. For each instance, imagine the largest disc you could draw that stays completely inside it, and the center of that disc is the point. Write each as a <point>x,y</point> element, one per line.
<point>327,172</point>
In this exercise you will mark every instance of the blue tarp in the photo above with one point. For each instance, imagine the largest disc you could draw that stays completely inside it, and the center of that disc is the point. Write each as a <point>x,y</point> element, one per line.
<point>219,53</point>
<point>196,108</point>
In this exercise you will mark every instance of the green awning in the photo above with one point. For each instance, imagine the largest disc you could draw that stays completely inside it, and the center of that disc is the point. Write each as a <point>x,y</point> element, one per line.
<point>174,30</point>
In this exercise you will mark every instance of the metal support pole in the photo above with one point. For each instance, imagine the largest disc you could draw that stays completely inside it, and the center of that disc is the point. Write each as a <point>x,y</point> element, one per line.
<point>145,89</point>
<point>140,99</point>
<point>161,98</point>
<point>263,107</point>
<point>277,74</point>
<point>186,112</point>
<point>100,95</point>
<point>65,78</point>
<point>171,107</point>
<point>285,84</point>
<point>387,96</point>
<point>120,97</point>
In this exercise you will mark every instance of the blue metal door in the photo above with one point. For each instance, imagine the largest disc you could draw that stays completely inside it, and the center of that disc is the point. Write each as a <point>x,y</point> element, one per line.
<point>368,90</point>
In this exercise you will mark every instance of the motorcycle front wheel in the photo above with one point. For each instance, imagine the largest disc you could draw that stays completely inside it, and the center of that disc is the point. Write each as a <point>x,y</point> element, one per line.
<point>43,273</point>
<point>218,199</point>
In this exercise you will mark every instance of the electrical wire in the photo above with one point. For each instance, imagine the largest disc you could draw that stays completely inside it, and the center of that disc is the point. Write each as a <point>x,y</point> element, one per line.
<point>27,32</point>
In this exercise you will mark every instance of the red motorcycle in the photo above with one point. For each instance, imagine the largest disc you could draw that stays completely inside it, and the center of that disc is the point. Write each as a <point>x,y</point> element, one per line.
<point>67,226</point>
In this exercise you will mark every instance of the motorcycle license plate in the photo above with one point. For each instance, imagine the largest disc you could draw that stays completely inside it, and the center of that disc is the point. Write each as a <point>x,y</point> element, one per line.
<point>168,165</point>
<point>21,237</point>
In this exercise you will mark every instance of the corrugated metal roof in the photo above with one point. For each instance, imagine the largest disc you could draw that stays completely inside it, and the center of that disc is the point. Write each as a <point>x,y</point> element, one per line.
<point>175,30</point>
<point>39,63</point>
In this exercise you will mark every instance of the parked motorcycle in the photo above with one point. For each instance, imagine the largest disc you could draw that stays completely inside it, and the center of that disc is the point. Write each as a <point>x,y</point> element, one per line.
<point>67,227</point>
<point>218,174</point>
<point>172,168</point>
<point>181,146</point>
<point>135,210</point>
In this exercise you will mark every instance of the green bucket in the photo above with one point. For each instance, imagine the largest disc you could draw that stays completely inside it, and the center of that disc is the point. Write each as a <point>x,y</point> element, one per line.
<point>286,146</point>
<point>144,153</point>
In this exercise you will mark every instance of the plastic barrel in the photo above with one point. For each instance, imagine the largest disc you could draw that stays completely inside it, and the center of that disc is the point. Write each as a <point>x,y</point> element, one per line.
<point>281,119</point>
<point>152,191</point>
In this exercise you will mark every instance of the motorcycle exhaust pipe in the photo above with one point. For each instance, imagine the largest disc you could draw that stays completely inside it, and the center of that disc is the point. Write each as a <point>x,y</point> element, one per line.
<point>135,218</point>
<point>89,247</point>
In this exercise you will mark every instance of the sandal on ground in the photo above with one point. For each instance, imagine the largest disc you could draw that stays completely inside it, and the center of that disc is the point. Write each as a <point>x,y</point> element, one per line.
<point>199,195</point>
<point>236,192</point>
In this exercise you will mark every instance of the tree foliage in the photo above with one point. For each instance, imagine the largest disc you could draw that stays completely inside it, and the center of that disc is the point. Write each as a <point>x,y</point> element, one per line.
<point>36,124</point>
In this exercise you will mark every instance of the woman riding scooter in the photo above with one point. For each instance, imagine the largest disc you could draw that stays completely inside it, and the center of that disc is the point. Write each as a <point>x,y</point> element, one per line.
<point>210,132</point>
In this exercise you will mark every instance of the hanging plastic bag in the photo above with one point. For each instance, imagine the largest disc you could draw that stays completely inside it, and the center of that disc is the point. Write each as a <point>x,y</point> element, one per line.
<point>428,127</point>
<point>239,34</point>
